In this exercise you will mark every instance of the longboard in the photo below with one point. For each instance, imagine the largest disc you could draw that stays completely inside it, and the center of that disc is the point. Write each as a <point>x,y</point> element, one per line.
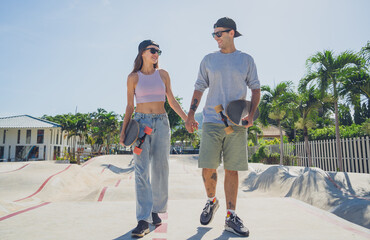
<point>132,135</point>
<point>235,112</point>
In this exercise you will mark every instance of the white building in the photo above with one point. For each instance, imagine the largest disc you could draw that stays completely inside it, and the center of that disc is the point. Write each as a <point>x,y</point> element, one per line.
<point>24,138</point>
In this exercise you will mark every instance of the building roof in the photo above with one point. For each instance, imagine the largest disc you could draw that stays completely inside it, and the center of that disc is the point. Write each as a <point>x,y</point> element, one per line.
<point>272,131</point>
<point>26,121</point>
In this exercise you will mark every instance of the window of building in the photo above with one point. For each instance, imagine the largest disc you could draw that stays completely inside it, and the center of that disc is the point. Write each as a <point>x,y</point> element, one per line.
<point>25,153</point>
<point>28,137</point>
<point>57,138</point>
<point>1,152</point>
<point>19,137</point>
<point>51,136</point>
<point>40,136</point>
<point>4,136</point>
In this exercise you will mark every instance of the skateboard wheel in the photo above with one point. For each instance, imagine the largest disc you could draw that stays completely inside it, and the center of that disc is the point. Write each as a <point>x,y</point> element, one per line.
<point>148,130</point>
<point>229,130</point>
<point>219,108</point>
<point>138,150</point>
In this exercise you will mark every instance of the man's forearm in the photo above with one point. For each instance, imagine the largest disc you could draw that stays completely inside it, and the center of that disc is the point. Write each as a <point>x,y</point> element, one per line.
<point>256,95</point>
<point>197,96</point>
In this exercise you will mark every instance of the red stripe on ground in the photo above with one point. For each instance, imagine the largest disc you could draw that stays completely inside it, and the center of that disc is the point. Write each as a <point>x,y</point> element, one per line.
<point>329,219</point>
<point>118,182</point>
<point>101,196</point>
<point>22,211</point>
<point>159,238</point>
<point>43,185</point>
<point>163,216</point>
<point>91,160</point>
<point>161,228</point>
<point>17,169</point>
<point>105,168</point>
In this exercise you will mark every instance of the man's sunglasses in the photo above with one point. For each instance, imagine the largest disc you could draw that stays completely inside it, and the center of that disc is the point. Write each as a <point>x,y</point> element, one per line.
<point>154,51</point>
<point>219,33</point>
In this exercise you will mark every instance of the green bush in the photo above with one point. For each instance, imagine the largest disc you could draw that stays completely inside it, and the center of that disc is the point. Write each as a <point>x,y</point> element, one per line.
<point>352,131</point>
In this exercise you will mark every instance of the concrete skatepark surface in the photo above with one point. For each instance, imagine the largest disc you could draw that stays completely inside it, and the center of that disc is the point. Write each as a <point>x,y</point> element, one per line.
<point>96,200</point>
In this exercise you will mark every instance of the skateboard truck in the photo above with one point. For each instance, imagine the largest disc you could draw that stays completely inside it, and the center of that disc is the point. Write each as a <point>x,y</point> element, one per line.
<point>219,109</point>
<point>147,131</point>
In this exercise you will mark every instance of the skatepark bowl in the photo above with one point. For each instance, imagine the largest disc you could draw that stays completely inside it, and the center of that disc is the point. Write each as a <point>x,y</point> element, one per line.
<point>96,200</point>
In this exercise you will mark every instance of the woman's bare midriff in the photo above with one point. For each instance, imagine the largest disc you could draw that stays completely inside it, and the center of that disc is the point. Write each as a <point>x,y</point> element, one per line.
<point>150,108</point>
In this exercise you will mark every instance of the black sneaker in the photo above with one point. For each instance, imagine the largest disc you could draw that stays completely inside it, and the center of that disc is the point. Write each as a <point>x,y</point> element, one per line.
<point>156,220</point>
<point>208,212</point>
<point>141,229</point>
<point>235,225</point>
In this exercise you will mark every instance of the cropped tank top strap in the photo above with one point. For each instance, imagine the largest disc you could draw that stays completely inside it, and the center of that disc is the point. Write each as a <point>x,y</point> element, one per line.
<point>150,88</point>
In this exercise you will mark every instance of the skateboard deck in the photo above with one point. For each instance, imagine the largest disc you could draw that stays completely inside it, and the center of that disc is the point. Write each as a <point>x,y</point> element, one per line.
<point>235,112</point>
<point>132,135</point>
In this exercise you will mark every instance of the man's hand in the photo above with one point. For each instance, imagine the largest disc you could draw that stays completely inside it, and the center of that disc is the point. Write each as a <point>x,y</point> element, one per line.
<point>249,119</point>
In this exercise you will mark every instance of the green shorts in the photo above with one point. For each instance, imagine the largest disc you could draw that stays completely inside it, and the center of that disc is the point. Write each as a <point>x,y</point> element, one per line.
<point>216,145</point>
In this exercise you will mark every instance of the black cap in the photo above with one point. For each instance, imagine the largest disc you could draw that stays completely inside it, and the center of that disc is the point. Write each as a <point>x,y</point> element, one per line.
<point>144,44</point>
<point>226,22</point>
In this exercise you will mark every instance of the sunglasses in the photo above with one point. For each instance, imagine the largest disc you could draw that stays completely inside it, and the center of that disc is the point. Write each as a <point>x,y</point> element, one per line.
<point>154,51</point>
<point>219,33</point>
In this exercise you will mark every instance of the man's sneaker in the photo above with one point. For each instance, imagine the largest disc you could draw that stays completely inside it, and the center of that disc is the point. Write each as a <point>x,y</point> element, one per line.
<point>235,225</point>
<point>156,219</point>
<point>141,229</point>
<point>208,212</point>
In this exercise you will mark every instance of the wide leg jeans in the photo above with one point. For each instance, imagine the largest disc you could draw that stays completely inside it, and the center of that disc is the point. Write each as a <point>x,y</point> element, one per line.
<point>151,166</point>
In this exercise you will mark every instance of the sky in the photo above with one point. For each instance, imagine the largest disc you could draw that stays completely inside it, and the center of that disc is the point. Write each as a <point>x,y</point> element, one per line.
<point>60,57</point>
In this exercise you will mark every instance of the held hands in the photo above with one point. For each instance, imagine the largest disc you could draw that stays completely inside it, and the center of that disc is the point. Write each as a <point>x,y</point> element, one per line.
<point>191,124</point>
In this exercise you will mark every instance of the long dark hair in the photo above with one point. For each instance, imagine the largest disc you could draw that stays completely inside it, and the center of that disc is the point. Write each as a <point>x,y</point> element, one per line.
<point>138,63</point>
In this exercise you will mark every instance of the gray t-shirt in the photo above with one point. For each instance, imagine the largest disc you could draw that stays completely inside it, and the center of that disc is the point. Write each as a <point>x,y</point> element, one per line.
<point>227,76</point>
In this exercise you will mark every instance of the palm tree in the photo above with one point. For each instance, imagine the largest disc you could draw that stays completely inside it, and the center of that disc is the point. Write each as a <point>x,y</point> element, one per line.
<point>274,106</point>
<point>308,109</point>
<point>104,127</point>
<point>325,69</point>
<point>355,86</point>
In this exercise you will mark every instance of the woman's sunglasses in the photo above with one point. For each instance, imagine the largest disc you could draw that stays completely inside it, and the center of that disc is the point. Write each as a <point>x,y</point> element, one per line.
<point>219,33</point>
<point>154,51</point>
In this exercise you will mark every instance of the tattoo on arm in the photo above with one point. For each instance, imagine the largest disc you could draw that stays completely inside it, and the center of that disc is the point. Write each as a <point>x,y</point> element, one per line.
<point>194,106</point>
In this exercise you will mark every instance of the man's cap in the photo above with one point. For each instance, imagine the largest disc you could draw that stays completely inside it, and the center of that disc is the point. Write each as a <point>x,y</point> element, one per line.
<point>226,22</point>
<point>144,44</point>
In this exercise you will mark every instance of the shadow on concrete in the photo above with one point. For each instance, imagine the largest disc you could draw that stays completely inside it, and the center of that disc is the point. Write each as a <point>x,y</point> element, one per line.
<point>128,236</point>
<point>118,170</point>
<point>201,231</point>
<point>226,235</point>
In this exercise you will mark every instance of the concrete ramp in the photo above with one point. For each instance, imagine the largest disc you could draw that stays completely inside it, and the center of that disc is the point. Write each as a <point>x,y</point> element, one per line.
<point>96,200</point>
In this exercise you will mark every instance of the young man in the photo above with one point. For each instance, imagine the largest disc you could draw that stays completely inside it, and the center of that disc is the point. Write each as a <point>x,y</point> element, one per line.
<point>227,73</point>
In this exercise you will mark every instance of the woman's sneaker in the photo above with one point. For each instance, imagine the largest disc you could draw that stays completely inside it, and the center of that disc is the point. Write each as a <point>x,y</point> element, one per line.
<point>208,212</point>
<point>235,225</point>
<point>141,229</point>
<point>156,219</point>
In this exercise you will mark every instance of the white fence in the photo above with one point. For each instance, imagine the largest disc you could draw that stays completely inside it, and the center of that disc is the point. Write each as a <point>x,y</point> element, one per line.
<point>355,154</point>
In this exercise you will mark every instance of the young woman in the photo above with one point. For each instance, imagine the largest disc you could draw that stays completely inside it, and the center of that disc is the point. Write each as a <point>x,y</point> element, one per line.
<point>150,86</point>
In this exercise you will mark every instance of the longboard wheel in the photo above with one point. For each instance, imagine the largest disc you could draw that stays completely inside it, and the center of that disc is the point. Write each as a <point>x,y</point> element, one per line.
<point>229,130</point>
<point>148,130</point>
<point>138,150</point>
<point>219,108</point>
